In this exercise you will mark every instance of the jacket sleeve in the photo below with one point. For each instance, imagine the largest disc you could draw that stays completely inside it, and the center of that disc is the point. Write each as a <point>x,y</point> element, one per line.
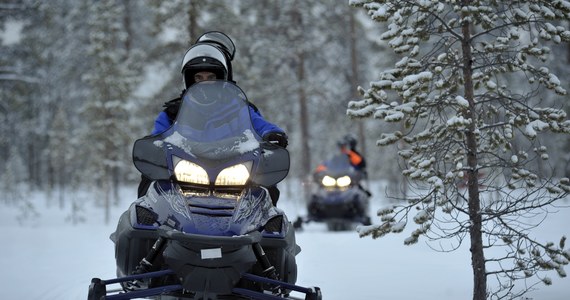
<point>355,158</point>
<point>261,126</point>
<point>161,123</point>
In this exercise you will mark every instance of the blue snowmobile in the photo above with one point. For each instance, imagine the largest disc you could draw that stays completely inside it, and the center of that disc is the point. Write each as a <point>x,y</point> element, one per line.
<point>339,200</point>
<point>207,228</point>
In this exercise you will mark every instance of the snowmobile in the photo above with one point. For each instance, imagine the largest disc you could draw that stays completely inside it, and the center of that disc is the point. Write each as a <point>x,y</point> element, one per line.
<point>206,228</point>
<point>340,200</point>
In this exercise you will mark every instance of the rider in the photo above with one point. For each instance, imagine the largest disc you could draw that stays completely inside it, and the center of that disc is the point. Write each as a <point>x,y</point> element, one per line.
<point>347,145</point>
<point>210,59</point>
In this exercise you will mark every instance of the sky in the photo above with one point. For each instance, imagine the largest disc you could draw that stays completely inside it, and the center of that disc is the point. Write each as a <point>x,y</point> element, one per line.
<point>48,258</point>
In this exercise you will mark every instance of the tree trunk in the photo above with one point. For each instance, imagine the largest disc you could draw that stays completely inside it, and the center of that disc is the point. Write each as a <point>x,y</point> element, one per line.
<point>127,22</point>
<point>567,54</point>
<point>303,110</point>
<point>107,195</point>
<point>192,21</point>
<point>304,123</point>
<point>354,78</point>
<point>116,173</point>
<point>477,253</point>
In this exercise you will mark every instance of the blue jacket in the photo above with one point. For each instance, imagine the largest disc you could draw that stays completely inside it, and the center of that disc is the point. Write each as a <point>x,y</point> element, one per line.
<point>261,126</point>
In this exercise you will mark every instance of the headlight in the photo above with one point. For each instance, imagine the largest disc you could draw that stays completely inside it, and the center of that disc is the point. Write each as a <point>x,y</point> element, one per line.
<point>234,175</point>
<point>328,181</point>
<point>190,172</point>
<point>343,181</point>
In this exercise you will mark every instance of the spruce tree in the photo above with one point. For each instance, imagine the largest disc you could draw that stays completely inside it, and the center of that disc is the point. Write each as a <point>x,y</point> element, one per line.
<point>111,78</point>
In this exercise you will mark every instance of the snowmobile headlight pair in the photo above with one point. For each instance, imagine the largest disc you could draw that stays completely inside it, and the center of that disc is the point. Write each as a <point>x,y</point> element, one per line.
<point>343,181</point>
<point>190,172</point>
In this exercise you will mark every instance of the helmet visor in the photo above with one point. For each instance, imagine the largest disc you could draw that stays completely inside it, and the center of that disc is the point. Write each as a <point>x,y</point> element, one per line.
<point>220,39</point>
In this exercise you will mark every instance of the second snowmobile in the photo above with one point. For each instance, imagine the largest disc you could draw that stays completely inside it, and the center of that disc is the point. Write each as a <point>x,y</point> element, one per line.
<point>339,200</point>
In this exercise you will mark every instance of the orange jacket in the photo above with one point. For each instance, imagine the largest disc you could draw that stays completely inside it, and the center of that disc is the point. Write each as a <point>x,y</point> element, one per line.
<point>354,157</point>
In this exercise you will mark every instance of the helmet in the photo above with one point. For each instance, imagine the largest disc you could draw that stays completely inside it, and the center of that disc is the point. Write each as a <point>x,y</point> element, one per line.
<point>203,57</point>
<point>348,140</point>
<point>222,42</point>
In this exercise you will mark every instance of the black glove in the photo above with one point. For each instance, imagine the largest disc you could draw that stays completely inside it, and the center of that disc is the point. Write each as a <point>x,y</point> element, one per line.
<point>278,138</point>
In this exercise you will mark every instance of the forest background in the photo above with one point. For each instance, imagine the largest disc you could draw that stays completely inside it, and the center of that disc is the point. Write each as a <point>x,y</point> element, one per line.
<point>80,80</point>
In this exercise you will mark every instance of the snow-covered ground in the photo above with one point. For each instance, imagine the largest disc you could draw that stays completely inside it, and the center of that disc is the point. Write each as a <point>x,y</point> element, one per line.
<point>52,259</point>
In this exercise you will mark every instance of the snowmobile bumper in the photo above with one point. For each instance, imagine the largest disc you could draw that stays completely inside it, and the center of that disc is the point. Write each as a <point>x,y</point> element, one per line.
<point>340,206</point>
<point>98,288</point>
<point>209,263</point>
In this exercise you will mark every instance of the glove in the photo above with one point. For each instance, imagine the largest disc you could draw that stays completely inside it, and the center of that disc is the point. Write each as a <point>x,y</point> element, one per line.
<point>278,138</point>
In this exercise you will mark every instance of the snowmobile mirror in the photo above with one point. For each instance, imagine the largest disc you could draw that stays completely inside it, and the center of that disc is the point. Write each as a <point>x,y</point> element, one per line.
<point>150,159</point>
<point>274,166</point>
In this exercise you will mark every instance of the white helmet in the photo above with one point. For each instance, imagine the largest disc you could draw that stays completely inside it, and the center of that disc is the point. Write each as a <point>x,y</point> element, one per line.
<point>203,57</point>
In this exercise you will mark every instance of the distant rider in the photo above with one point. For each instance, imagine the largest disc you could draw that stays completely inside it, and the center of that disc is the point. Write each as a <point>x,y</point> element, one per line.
<point>347,145</point>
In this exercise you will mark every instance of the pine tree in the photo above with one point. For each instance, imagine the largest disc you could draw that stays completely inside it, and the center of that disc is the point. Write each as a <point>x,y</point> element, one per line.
<point>465,117</point>
<point>111,78</point>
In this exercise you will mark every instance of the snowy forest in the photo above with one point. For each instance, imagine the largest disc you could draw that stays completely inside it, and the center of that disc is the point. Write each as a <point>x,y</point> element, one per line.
<point>459,106</point>
<point>82,80</point>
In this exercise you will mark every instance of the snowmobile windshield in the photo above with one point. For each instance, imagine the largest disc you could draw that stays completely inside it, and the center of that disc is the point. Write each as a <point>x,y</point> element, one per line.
<point>339,165</point>
<point>214,122</point>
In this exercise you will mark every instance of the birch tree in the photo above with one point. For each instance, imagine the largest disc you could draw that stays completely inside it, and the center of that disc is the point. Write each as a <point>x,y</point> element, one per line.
<point>466,117</point>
